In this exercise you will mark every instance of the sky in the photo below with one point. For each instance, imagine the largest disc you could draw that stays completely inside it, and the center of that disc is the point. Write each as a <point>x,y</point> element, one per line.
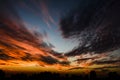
<point>43,16</point>
<point>60,35</point>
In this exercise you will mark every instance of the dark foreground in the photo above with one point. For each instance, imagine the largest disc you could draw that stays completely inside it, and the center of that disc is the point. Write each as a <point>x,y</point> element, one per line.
<point>56,76</point>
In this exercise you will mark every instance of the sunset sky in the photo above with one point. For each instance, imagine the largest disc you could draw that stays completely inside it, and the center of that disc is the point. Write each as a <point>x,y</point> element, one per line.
<point>60,35</point>
<point>43,16</point>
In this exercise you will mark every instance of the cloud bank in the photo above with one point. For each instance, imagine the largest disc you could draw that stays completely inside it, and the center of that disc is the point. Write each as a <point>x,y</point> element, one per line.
<point>95,24</point>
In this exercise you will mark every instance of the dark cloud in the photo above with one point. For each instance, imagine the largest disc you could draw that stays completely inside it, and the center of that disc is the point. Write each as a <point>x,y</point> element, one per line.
<point>27,56</point>
<point>49,60</point>
<point>47,45</point>
<point>106,62</point>
<point>64,63</point>
<point>93,58</point>
<point>95,24</point>
<point>51,45</point>
<point>85,59</point>
<point>6,44</point>
<point>59,55</point>
<point>76,68</point>
<point>4,56</point>
<point>104,68</point>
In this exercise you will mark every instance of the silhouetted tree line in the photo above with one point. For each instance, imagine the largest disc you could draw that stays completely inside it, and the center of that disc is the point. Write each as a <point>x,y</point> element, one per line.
<point>56,76</point>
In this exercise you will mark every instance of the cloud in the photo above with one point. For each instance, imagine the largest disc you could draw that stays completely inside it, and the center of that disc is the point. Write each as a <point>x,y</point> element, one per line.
<point>48,19</point>
<point>106,62</point>
<point>4,56</point>
<point>84,59</point>
<point>20,44</point>
<point>95,24</point>
<point>76,68</point>
<point>28,57</point>
<point>49,60</point>
<point>65,63</point>
<point>12,28</point>
<point>104,68</point>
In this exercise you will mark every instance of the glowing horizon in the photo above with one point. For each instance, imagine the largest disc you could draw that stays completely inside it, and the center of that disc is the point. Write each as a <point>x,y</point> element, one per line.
<point>44,35</point>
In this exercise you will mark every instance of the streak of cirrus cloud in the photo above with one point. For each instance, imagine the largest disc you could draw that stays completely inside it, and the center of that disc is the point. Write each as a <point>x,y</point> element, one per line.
<point>21,47</point>
<point>46,15</point>
<point>38,8</point>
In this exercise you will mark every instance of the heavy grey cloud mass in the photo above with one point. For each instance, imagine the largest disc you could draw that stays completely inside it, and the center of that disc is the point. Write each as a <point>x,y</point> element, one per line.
<point>96,24</point>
